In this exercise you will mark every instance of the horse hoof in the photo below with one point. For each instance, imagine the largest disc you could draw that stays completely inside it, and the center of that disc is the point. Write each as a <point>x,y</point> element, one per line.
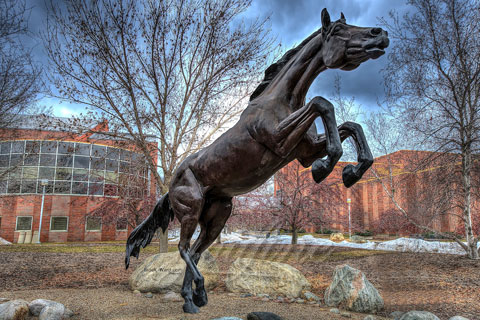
<point>200,298</point>
<point>320,170</point>
<point>189,307</point>
<point>350,176</point>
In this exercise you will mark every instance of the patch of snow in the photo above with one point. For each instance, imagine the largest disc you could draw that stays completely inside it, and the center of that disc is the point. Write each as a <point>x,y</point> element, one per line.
<point>3,241</point>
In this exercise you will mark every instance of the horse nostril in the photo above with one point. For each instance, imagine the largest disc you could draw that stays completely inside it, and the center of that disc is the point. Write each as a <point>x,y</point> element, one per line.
<point>375,31</point>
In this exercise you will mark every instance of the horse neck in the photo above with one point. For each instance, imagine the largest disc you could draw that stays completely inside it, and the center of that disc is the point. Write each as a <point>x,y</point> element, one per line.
<point>296,77</point>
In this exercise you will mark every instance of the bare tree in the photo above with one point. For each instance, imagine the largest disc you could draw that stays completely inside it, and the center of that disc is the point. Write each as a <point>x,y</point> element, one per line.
<point>19,75</point>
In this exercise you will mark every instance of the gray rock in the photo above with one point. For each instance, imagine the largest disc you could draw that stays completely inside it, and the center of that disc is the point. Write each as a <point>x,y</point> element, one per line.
<point>419,315</point>
<point>261,276</point>
<point>36,306</point>
<point>52,311</point>
<point>148,295</point>
<point>263,316</point>
<point>172,296</point>
<point>164,272</point>
<point>346,314</point>
<point>310,296</point>
<point>396,315</point>
<point>300,301</point>
<point>458,318</point>
<point>263,295</point>
<point>14,310</point>
<point>369,317</point>
<point>335,310</point>
<point>136,291</point>
<point>351,290</point>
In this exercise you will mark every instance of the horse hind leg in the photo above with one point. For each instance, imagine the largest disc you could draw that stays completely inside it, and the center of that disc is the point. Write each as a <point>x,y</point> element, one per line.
<point>351,174</point>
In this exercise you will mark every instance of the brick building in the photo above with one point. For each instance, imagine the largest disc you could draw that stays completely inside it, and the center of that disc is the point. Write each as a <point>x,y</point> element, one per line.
<point>422,190</point>
<point>75,172</point>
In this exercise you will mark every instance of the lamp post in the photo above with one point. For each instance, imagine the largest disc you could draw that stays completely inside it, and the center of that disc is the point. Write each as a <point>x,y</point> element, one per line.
<point>43,183</point>
<point>349,219</point>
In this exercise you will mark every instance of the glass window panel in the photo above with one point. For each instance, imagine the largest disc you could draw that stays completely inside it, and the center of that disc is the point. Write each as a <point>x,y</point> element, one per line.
<point>47,160</point>
<point>24,224</point>
<point>62,187</point>
<point>82,149</point>
<point>13,186</point>
<point>59,224</point>
<point>124,166</point>
<point>99,151</point>
<point>4,159</point>
<point>112,165</point>
<point>122,224</point>
<point>18,146</point>
<point>111,190</point>
<point>113,153</point>
<point>64,160</point>
<point>31,159</point>
<point>81,162</point>
<point>5,147</point>
<point>63,174</point>
<point>125,155</point>
<point>29,186</point>
<point>32,147</point>
<point>98,164</point>
<point>3,186</point>
<point>79,188</point>
<point>30,173</point>
<point>111,177</point>
<point>15,174</point>
<point>93,224</point>
<point>96,175</point>
<point>48,187</point>
<point>48,147</point>
<point>16,160</point>
<point>66,147</point>
<point>80,175</point>
<point>95,189</point>
<point>3,174</point>
<point>46,173</point>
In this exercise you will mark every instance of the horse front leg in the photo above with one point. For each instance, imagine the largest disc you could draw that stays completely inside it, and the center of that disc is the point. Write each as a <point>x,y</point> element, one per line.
<point>351,174</point>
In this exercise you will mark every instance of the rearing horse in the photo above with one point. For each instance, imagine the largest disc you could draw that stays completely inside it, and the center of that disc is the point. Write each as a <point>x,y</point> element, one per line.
<point>274,129</point>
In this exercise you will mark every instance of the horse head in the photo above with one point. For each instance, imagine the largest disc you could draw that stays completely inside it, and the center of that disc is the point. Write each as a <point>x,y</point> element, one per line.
<point>346,46</point>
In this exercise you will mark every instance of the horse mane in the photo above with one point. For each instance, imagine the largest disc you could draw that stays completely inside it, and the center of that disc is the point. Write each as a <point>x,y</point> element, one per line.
<point>275,68</point>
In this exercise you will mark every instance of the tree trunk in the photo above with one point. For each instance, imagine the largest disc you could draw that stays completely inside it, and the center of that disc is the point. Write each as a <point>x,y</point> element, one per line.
<point>163,239</point>
<point>294,235</point>
<point>472,251</point>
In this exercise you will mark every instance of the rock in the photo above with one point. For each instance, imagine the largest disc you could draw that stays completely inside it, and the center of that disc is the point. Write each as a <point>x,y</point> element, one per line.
<point>14,310</point>
<point>357,239</point>
<point>419,315</point>
<point>273,278</point>
<point>148,295</point>
<point>300,301</point>
<point>228,318</point>
<point>136,291</point>
<point>351,290</point>
<point>263,295</point>
<point>335,310</point>
<point>337,237</point>
<point>346,314</point>
<point>164,272</point>
<point>172,296</point>
<point>263,316</point>
<point>369,317</point>
<point>396,315</point>
<point>458,318</point>
<point>48,309</point>
<point>246,295</point>
<point>310,296</point>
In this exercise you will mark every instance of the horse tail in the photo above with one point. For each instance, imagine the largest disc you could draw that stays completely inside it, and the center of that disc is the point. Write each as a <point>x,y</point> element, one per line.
<point>142,235</point>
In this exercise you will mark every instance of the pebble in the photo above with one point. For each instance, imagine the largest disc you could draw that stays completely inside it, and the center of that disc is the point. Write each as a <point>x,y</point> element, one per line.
<point>246,295</point>
<point>300,301</point>
<point>148,295</point>
<point>172,296</point>
<point>263,295</point>
<point>346,314</point>
<point>265,299</point>
<point>231,294</point>
<point>335,310</point>
<point>136,291</point>
<point>369,317</point>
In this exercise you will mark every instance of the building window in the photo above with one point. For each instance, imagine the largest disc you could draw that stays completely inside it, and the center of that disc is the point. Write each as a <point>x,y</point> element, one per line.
<point>24,223</point>
<point>59,223</point>
<point>93,224</point>
<point>122,224</point>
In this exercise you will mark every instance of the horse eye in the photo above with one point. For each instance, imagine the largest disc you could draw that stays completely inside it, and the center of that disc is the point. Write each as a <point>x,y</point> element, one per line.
<point>337,29</point>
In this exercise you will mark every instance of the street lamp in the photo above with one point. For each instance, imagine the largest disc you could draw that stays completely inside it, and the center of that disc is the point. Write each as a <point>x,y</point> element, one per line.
<point>349,219</point>
<point>43,183</point>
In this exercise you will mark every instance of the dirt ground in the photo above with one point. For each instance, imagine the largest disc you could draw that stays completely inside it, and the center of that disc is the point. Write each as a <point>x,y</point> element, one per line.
<point>95,284</point>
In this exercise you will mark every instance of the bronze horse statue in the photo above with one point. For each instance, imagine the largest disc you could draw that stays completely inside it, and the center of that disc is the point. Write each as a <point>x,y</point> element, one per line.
<point>276,128</point>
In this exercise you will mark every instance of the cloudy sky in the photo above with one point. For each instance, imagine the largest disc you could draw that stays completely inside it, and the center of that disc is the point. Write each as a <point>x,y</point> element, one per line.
<point>291,21</point>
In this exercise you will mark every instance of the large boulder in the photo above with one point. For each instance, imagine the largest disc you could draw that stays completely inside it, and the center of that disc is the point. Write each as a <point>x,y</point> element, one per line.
<point>164,272</point>
<point>14,310</point>
<point>260,276</point>
<point>351,290</point>
<point>419,315</point>
<point>49,310</point>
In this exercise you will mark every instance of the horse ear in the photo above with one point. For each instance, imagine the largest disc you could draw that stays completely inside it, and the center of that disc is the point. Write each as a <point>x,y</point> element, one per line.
<point>325,19</point>
<point>342,17</point>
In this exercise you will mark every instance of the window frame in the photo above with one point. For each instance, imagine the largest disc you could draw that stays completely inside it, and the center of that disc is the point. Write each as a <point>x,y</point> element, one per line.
<point>93,230</point>
<point>51,223</point>
<point>16,223</point>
